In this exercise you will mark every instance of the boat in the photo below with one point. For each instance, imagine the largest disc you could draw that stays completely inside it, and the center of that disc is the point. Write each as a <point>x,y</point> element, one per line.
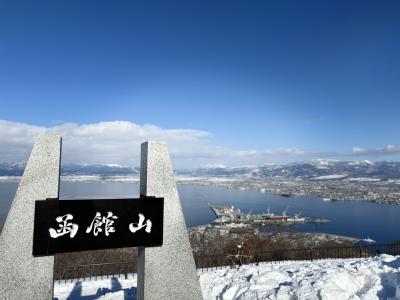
<point>286,195</point>
<point>231,214</point>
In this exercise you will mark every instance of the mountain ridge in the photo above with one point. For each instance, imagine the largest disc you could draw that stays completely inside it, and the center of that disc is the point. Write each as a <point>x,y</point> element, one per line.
<point>314,170</point>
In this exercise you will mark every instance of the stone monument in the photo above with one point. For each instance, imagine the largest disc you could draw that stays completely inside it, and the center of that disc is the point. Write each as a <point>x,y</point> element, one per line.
<point>23,276</point>
<point>166,272</point>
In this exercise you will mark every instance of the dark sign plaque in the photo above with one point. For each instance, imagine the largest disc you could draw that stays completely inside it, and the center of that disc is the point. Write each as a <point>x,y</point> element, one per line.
<point>80,225</point>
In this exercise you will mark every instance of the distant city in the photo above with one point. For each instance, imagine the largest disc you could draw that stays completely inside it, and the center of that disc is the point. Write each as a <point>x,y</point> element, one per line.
<point>329,179</point>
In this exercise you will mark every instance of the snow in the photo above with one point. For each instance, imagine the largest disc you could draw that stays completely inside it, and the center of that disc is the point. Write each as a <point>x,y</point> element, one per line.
<point>395,181</point>
<point>366,179</point>
<point>323,167</point>
<point>98,178</point>
<point>114,165</point>
<point>332,176</point>
<point>10,178</point>
<point>214,166</point>
<point>324,162</point>
<point>117,288</point>
<point>180,179</point>
<point>360,162</point>
<point>369,278</point>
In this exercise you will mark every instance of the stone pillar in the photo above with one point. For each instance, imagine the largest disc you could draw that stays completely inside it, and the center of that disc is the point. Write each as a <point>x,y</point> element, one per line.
<point>23,276</point>
<point>169,271</point>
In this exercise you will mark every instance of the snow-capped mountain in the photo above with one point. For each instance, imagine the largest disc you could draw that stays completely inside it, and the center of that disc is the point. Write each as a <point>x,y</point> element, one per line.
<point>12,169</point>
<point>103,169</point>
<point>315,170</point>
<point>17,168</point>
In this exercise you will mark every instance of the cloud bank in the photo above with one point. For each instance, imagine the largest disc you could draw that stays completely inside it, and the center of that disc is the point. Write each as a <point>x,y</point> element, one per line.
<point>389,149</point>
<point>119,142</point>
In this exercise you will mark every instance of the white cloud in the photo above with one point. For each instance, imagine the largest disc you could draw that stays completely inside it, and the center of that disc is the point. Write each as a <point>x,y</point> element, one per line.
<point>16,140</point>
<point>118,142</point>
<point>389,149</point>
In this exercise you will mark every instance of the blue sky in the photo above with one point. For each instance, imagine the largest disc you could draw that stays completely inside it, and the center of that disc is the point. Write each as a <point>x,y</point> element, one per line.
<point>319,76</point>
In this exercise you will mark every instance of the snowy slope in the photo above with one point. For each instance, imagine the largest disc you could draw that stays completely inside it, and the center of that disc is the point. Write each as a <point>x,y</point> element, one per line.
<point>371,278</point>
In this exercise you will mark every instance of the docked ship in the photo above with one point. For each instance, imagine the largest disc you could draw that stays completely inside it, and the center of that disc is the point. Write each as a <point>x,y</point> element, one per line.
<point>231,214</point>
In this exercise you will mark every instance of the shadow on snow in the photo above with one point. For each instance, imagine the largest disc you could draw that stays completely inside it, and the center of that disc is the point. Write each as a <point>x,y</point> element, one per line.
<point>76,293</point>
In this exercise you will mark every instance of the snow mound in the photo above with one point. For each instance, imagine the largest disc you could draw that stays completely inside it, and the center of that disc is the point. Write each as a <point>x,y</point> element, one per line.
<point>369,278</point>
<point>373,278</point>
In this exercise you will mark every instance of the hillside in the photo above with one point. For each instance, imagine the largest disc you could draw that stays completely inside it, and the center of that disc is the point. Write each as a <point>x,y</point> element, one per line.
<point>313,170</point>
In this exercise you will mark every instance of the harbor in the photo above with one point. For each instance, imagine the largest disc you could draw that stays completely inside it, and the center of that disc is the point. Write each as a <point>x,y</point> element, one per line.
<point>232,215</point>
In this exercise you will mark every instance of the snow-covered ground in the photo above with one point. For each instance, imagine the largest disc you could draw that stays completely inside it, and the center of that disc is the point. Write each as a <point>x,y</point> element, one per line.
<point>363,179</point>
<point>370,278</point>
<point>373,278</point>
<point>332,176</point>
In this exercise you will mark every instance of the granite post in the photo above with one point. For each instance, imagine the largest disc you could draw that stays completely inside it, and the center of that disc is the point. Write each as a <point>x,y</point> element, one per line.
<point>23,276</point>
<point>169,271</point>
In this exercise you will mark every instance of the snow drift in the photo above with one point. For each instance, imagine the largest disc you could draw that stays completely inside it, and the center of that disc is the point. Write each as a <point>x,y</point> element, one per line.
<point>369,278</point>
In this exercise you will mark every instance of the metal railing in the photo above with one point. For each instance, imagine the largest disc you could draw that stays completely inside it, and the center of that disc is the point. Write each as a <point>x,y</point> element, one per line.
<point>222,260</point>
<point>219,261</point>
<point>89,271</point>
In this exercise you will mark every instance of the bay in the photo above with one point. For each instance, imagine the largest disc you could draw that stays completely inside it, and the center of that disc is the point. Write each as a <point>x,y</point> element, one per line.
<point>380,222</point>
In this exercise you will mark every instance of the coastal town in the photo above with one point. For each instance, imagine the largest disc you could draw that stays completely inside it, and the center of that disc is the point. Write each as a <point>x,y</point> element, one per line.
<point>359,180</point>
<point>327,179</point>
<point>384,192</point>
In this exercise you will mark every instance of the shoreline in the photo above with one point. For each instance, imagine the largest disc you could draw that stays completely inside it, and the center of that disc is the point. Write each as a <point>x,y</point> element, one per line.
<point>218,239</point>
<point>223,182</point>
